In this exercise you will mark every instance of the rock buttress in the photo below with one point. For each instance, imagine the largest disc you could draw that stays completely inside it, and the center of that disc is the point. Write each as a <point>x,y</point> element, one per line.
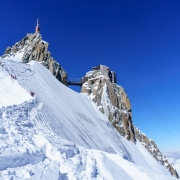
<point>33,47</point>
<point>111,100</point>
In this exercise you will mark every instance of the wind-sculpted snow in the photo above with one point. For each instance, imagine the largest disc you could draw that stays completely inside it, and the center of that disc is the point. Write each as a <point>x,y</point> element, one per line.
<point>27,153</point>
<point>59,134</point>
<point>16,133</point>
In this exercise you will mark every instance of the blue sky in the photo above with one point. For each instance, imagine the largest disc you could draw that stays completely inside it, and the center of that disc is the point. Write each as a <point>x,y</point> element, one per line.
<point>139,40</point>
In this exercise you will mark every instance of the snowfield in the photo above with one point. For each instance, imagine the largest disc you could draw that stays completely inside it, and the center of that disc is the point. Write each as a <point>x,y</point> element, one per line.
<point>10,91</point>
<point>59,134</point>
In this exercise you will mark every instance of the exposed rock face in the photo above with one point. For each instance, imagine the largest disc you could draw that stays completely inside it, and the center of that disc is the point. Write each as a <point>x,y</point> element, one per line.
<point>33,47</point>
<point>112,101</point>
<point>151,146</point>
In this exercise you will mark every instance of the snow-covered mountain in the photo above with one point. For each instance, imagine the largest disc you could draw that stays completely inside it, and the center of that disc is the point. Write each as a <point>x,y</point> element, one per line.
<point>59,134</point>
<point>32,47</point>
<point>112,100</point>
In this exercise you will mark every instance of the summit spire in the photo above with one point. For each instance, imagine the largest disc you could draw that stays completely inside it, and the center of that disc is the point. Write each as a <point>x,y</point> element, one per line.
<point>37,26</point>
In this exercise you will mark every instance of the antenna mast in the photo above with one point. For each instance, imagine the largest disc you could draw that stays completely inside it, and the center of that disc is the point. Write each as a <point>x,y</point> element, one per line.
<point>37,27</point>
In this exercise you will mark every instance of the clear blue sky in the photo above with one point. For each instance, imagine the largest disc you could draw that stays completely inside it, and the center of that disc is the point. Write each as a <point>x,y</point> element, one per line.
<point>139,40</point>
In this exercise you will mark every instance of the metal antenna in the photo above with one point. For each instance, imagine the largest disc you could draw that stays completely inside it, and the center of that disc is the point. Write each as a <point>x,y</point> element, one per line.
<point>37,22</point>
<point>37,27</point>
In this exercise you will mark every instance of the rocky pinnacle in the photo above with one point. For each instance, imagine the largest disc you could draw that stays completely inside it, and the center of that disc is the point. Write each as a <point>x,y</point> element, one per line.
<point>113,101</point>
<point>34,48</point>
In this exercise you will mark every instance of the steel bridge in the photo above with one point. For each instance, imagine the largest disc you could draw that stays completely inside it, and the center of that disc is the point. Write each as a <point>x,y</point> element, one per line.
<point>75,82</point>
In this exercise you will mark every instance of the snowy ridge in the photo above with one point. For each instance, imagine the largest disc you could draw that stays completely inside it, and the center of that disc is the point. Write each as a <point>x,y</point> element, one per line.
<point>60,134</point>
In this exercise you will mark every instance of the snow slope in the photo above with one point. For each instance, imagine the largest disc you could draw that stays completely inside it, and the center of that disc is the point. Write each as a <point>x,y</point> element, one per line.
<point>15,56</point>
<point>60,134</point>
<point>9,95</point>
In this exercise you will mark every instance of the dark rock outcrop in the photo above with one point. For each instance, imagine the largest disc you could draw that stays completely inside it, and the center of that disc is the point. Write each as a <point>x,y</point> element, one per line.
<point>151,146</point>
<point>32,47</point>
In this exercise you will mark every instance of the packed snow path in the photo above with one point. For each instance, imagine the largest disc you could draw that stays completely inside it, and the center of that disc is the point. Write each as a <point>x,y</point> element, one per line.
<point>59,134</point>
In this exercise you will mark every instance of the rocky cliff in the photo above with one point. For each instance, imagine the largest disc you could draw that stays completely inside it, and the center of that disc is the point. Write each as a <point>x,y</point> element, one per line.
<point>151,146</point>
<point>112,101</point>
<point>32,47</point>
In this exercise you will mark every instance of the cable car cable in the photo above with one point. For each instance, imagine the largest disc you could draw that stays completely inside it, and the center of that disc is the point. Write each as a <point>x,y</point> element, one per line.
<point>161,122</point>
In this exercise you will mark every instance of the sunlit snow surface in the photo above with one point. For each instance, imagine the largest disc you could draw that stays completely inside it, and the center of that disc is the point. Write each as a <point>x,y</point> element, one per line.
<point>15,56</point>
<point>60,134</point>
<point>11,92</point>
